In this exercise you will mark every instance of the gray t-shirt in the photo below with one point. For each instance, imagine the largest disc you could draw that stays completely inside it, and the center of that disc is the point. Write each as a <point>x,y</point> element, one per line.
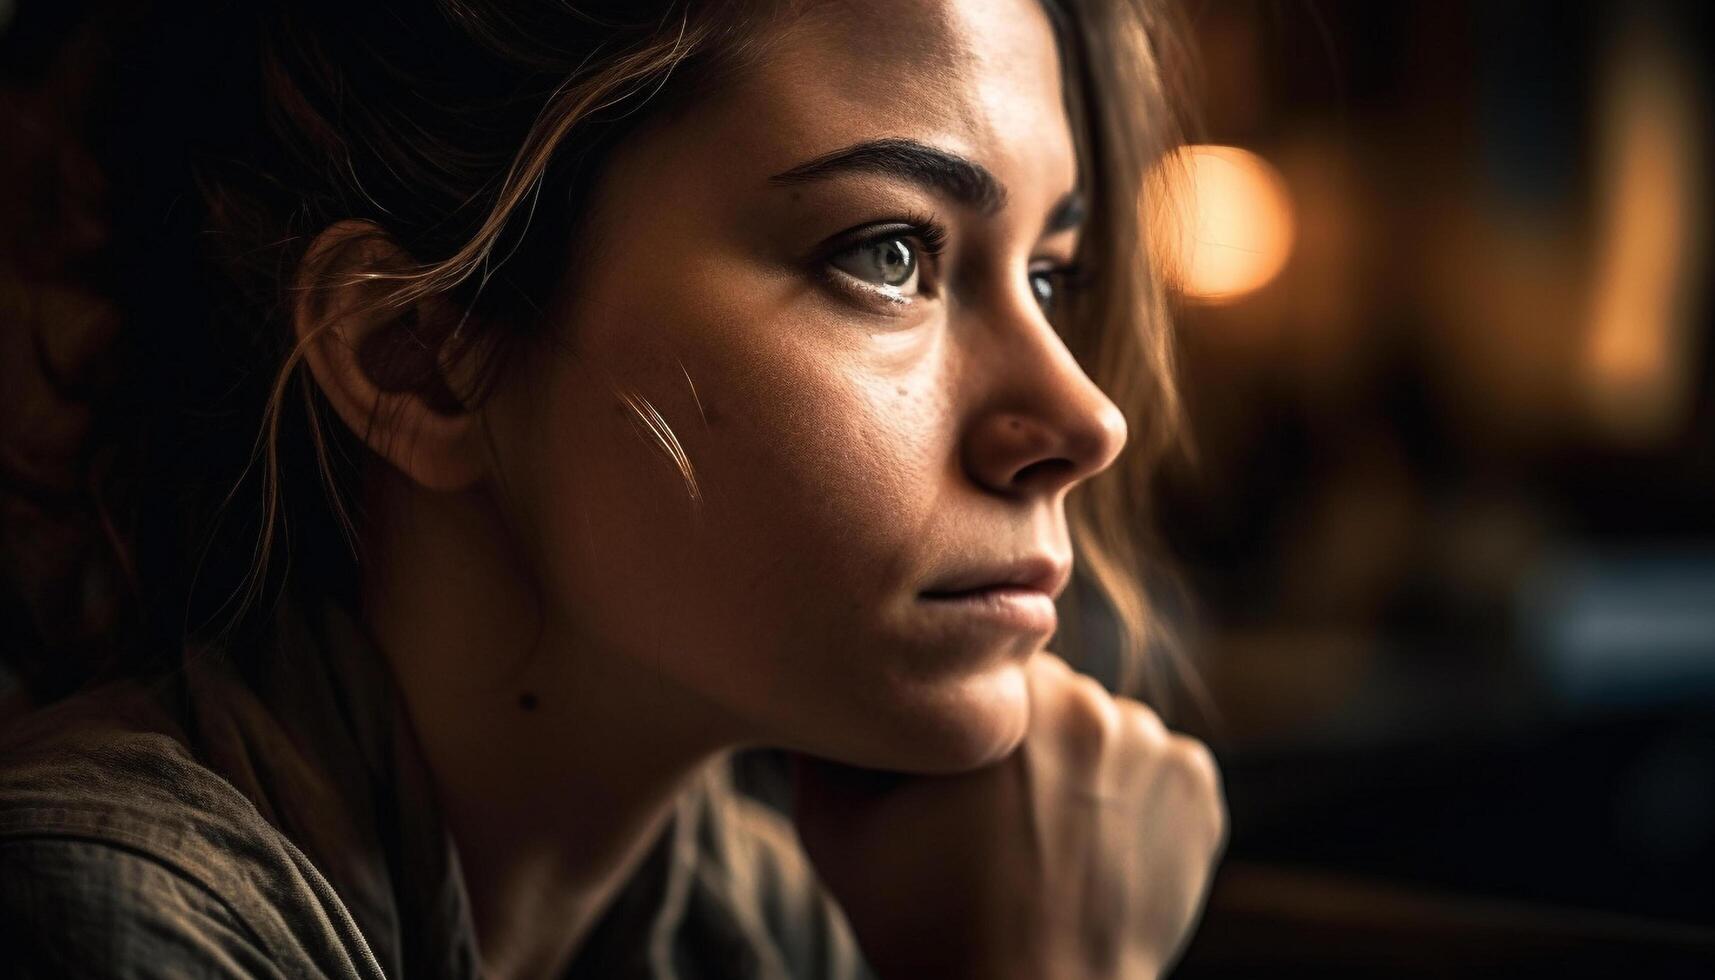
<point>272,817</point>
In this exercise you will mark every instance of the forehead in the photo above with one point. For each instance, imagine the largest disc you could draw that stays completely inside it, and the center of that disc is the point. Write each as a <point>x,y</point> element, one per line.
<point>979,77</point>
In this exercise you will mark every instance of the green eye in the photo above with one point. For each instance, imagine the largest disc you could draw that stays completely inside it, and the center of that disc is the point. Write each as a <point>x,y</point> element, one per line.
<point>890,263</point>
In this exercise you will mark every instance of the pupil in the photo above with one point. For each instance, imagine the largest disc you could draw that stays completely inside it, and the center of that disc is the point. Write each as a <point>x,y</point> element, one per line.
<point>896,264</point>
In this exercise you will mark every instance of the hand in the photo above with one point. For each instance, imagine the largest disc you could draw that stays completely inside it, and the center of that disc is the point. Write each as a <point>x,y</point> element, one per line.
<point>1085,853</point>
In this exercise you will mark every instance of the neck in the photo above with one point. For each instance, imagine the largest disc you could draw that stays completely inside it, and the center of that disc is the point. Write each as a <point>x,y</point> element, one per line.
<point>556,763</point>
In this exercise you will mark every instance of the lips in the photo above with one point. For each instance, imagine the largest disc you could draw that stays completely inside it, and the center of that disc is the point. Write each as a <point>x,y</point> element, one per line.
<point>1037,573</point>
<point>1012,597</point>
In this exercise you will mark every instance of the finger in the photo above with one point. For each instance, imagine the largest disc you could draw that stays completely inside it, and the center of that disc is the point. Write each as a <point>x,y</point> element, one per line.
<point>1047,665</point>
<point>1143,722</point>
<point>1198,781</point>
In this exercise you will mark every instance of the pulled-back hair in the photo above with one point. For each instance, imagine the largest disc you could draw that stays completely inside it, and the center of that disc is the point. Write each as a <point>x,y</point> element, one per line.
<point>167,467</point>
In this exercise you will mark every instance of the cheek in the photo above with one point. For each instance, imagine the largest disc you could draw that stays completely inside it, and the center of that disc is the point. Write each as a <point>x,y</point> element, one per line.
<point>814,484</point>
<point>785,593</point>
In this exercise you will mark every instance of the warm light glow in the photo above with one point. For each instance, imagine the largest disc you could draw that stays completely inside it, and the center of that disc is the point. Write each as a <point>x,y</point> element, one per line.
<point>1637,355</point>
<point>1221,219</point>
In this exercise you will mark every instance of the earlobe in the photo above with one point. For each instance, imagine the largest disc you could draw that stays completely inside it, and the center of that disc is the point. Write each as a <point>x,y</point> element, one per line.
<point>381,366</point>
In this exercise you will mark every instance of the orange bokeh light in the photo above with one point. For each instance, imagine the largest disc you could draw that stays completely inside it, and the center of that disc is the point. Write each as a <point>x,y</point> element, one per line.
<point>1221,221</point>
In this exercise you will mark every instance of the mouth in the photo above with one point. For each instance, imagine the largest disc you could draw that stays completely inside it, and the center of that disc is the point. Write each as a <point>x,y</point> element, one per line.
<point>1040,572</point>
<point>1017,596</point>
<point>1010,607</point>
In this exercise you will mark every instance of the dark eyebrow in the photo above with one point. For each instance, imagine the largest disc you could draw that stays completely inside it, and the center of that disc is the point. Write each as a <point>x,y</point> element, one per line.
<point>1068,213</point>
<point>963,180</point>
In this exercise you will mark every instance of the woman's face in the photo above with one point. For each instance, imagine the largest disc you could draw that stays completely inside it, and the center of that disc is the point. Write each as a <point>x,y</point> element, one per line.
<point>825,282</point>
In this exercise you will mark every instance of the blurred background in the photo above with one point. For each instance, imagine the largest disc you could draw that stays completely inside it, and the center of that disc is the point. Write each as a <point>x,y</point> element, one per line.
<point>1448,528</point>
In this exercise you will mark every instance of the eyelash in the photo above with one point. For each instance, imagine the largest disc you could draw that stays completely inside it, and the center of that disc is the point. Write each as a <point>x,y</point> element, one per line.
<point>930,237</point>
<point>929,234</point>
<point>1070,277</point>
<point>926,235</point>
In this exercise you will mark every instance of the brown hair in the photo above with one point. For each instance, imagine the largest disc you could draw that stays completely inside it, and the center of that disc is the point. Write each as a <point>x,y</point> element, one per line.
<point>197,472</point>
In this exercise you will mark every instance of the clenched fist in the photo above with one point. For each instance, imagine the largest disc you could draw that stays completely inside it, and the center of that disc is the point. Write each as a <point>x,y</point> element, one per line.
<point>1085,853</point>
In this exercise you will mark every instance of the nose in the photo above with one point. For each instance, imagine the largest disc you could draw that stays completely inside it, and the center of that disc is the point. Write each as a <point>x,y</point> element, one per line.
<point>1043,425</point>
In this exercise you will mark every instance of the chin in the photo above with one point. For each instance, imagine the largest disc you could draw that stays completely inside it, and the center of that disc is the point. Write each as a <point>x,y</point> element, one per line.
<point>948,726</point>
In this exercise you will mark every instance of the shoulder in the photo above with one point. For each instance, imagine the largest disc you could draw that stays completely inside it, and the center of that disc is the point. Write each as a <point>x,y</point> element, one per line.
<point>121,855</point>
<point>75,907</point>
<point>750,852</point>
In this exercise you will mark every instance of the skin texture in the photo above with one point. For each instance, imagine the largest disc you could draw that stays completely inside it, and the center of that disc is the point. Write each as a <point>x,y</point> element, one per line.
<point>576,629</point>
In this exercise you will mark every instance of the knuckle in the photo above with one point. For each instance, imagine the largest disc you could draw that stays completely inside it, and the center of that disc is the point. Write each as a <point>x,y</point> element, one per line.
<point>1092,698</point>
<point>1197,756</point>
<point>1144,722</point>
<point>1090,720</point>
<point>1194,759</point>
<point>1197,766</point>
<point>1050,664</point>
<point>1046,673</point>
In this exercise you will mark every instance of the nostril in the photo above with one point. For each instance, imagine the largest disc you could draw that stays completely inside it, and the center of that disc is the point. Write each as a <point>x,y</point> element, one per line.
<point>1044,471</point>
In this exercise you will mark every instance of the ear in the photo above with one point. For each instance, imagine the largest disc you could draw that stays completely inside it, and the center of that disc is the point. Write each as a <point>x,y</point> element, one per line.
<point>384,367</point>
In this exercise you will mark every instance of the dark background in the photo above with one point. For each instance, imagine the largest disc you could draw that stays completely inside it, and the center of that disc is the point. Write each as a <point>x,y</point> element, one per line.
<point>1450,522</point>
